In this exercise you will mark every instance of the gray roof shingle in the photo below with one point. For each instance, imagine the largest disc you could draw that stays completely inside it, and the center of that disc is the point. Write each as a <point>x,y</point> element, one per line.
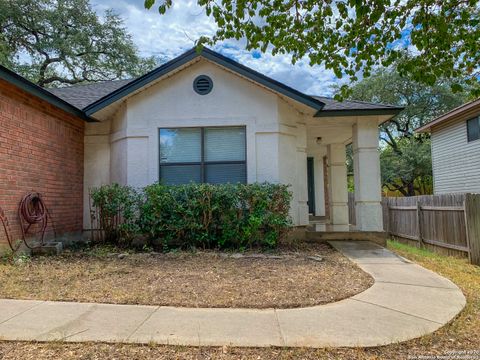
<point>41,93</point>
<point>83,95</point>
<point>334,105</point>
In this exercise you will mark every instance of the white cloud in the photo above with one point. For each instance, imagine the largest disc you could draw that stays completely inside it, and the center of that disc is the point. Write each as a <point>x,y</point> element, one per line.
<point>169,35</point>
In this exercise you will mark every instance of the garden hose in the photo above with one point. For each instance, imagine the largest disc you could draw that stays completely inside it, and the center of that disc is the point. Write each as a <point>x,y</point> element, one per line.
<point>32,211</point>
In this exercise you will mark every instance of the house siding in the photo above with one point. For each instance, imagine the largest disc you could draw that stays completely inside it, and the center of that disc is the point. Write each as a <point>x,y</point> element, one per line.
<point>41,149</point>
<point>455,161</point>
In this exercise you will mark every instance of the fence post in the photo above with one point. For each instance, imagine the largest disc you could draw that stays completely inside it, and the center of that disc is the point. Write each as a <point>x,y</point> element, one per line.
<point>386,218</point>
<point>472,224</point>
<point>419,223</point>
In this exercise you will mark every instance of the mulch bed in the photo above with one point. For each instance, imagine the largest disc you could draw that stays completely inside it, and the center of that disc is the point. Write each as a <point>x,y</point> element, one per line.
<point>284,279</point>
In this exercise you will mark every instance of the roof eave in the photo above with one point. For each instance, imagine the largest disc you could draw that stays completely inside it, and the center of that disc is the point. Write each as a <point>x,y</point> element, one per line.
<point>450,115</point>
<point>41,93</point>
<point>214,57</point>
<point>358,112</point>
<point>423,129</point>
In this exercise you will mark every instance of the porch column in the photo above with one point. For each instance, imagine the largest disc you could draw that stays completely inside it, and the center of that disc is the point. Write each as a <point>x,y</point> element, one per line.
<point>337,183</point>
<point>300,184</point>
<point>366,162</point>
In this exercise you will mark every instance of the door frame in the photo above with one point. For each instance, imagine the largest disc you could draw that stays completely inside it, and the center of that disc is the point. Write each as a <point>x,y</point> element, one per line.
<point>311,185</point>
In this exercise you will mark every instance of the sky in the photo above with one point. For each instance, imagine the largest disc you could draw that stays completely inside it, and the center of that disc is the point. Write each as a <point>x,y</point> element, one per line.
<point>167,36</point>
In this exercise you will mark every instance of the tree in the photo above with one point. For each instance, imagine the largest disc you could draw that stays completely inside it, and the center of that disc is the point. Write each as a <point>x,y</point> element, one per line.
<point>56,42</point>
<point>409,168</point>
<point>352,37</point>
<point>405,157</point>
<point>422,103</point>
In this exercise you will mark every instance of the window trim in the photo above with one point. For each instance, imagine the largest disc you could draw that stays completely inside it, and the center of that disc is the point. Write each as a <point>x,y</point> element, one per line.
<point>202,163</point>
<point>468,133</point>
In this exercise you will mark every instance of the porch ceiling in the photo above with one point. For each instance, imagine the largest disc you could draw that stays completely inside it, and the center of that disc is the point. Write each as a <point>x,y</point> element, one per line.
<point>335,129</point>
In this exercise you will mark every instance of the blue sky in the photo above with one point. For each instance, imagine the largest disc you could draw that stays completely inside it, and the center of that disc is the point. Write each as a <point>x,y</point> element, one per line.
<point>169,35</point>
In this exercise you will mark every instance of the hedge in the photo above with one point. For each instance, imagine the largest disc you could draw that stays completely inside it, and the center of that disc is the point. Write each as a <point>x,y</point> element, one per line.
<point>201,215</point>
<point>118,210</point>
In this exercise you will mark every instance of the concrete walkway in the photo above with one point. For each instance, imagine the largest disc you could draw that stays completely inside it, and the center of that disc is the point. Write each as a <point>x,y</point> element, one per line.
<point>406,301</point>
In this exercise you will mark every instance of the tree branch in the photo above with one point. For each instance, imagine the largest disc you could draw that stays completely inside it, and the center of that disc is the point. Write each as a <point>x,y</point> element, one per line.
<point>63,80</point>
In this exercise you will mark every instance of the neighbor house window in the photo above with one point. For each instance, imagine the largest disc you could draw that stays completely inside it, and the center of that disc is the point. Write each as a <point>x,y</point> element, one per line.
<point>473,129</point>
<point>213,155</point>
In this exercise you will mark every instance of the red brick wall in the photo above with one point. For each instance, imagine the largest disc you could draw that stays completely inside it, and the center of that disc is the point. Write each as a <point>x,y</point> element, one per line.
<point>41,149</point>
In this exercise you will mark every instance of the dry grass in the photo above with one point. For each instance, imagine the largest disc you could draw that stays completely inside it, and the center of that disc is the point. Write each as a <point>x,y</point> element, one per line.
<point>461,334</point>
<point>199,279</point>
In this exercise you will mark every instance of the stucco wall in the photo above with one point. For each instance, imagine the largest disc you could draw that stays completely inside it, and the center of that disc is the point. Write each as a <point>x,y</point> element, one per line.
<point>97,161</point>
<point>293,158</point>
<point>276,133</point>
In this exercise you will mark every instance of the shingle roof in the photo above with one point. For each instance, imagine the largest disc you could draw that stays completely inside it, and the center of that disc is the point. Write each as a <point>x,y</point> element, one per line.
<point>35,90</point>
<point>83,95</point>
<point>331,104</point>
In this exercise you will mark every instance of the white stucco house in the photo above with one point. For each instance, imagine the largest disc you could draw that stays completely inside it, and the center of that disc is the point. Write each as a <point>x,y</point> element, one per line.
<point>206,118</point>
<point>455,139</point>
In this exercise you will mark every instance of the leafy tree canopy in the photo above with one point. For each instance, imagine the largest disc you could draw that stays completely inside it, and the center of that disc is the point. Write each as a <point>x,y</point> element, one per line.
<point>56,42</point>
<point>405,158</point>
<point>353,37</point>
<point>408,167</point>
<point>422,103</point>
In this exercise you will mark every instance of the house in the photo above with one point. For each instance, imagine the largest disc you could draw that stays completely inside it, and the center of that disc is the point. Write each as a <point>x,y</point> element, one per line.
<point>200,117</point>
<point>455,138</point>
<point>41,149</point>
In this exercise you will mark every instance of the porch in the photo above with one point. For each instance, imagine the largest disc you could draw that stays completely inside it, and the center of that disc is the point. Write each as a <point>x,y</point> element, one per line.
<point>327,182</point>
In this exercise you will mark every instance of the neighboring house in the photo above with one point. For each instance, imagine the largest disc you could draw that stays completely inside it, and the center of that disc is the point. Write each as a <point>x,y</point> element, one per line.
<point>200,117</point>
<point>456,149</point>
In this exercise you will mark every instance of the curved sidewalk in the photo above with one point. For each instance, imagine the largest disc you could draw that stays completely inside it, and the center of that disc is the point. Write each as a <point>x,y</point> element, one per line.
<point>406,301</point>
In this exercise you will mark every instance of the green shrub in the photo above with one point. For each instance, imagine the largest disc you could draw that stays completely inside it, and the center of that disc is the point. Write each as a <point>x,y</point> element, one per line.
<point>216,216</point>
<point>196,215</point>
<point>116,209</point>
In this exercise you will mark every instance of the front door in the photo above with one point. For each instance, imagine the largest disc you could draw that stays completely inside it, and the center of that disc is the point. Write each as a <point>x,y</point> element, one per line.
<point>311,186</point>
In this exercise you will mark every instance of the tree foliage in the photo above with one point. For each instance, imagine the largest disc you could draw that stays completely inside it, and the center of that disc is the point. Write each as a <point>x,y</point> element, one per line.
<point>55,42</point>
<point>422,103</point>
<point>352,37</point>
<point>405,158</point>
<point>408,167</point>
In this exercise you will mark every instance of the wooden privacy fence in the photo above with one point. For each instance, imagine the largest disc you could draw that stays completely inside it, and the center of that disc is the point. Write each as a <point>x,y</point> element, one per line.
<point>448,223</point>
<point>351,209</point>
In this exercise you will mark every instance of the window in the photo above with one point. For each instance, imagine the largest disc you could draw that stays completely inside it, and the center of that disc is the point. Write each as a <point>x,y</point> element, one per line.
<point>473,129</point>
<point>213,155</point>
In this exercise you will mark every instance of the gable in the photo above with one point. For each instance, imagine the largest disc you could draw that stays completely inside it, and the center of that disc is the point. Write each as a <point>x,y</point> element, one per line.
<point>175,98</point>
<point>186,60</point>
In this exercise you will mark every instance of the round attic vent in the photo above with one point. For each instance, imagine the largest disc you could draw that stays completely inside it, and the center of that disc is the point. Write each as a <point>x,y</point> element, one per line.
<point>202,85</point>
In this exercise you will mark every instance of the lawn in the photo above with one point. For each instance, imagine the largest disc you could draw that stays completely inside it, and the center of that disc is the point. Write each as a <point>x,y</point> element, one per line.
<point>463,334</point>
<point>282,279</point>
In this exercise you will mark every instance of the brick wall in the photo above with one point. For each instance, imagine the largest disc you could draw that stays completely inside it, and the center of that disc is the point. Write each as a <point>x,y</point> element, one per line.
<point>41,149</point>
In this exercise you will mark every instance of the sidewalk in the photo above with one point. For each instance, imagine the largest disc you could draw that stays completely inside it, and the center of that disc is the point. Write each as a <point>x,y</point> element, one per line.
<point>406,301</point>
